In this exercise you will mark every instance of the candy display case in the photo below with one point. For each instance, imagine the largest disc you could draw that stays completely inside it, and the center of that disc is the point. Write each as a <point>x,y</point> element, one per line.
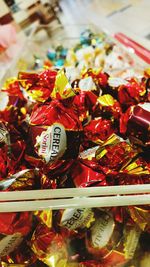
<point>74,154</point>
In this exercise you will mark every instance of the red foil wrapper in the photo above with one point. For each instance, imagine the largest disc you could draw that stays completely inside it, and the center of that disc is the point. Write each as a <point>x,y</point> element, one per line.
<point>12,148</point>
<point>13,222</point>
<point>108,107</point>
<point>136,124</point>
<point>13,101</point>
<point>13,89</point>
<point>83,104</point>
<point>13,227</point>
<point>115,153</point>
<point>131,93</point>
<point>38,86</point>
<point>98,130</point>
<point>141,216</point>
<point>49,246</point>
<point>84,175</point>
<point>100,78</point>
<point>55,132</point>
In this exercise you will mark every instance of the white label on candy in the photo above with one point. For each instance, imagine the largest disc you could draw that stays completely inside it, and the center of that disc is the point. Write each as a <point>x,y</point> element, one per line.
<point>51,144</point>
<point>76,218</point>
<point>9,243</point>
<point>102,230</point>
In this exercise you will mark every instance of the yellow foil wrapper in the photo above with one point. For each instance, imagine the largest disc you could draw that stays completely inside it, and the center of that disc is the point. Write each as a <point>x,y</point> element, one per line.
<point>141,217</point>
<point>45,216</point>
<point>8,82</point>
<point>49,247</point>
<point>131,239</point>
<point>24,180</point>
<point>62,88</point>
<point>111,141</point>
<point>145,261</point>
<point>4,264</point>
<point>106,100</point>
<point>37,95</point>
<point>147,71</point>
<point>135,168</point>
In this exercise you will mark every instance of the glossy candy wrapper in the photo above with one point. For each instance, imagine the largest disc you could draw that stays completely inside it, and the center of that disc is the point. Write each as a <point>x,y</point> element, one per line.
<point>53,128</point>
<point>105,241</point>
<point>38,86</point>
<point>141,216</point>
<point>86,173</point>
<point>14,227</point>
<point>136,124</point>
<point>49,246</point>
<point>98,130</point>
<point>23,180</point>
<point>115,152</point>
<point>12,148</point>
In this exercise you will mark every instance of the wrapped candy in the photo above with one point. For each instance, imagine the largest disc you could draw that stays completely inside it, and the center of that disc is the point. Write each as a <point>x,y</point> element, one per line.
<point>38,86</point>
<point>12,148</point>
<point>135,123</point>
<point>44,216</point>
<point>109,107</point>
<point>74,219</point>
<point>49,246</point>
<point>22,180</point>
<point>12,102</point>
<point>98,130</point>
<point>53,128</point>
<point>141,216</point>
<point>85,173</point>
<point>104,241</point>
<point>131,93</point>
<point>14,226</point>
<point>115,152</point>
<point>100,239</point>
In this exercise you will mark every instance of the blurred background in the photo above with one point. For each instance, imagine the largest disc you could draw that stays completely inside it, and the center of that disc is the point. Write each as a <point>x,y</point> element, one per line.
<point>128,16</point>
<point>20,18</point>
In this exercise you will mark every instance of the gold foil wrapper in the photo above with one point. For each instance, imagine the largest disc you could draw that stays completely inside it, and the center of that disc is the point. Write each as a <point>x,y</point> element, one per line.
<point>4,264</point>
<point>145,261</point>
<point>141,216</point>
<point>106,100</point>
<point>49,246</point>
<point>62,86</point>
<point>45,216</point>
<point>131,240</point>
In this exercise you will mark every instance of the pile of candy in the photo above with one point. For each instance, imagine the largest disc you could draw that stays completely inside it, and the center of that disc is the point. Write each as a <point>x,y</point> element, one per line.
<point>91,50</point>
<point>76,238</point>
<point>74,127</point>
<point>64,128</point>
